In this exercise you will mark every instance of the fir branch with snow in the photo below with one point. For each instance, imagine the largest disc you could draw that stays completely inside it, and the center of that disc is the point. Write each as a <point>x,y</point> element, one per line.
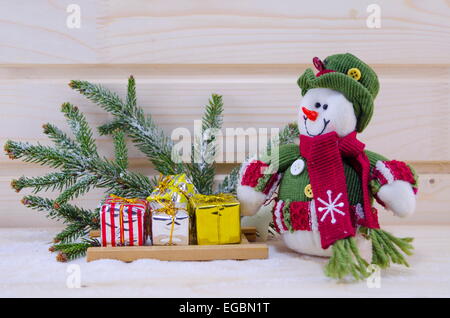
<point>81,170</point>
<point>151,140</point>
<point>145,134</point>
<point>204,149</point>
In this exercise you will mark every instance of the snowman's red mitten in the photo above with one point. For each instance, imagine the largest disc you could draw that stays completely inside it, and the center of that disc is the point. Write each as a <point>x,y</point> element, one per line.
<point>256,184</point>
<point>256,174</point>
<point>394,185</point>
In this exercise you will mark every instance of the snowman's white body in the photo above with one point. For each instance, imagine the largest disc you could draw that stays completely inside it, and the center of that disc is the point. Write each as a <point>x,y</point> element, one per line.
<point>306,242</point>
<point>334,113</point>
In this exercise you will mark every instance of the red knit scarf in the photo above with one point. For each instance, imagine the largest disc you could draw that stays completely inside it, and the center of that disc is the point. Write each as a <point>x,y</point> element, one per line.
<point>324,156</point>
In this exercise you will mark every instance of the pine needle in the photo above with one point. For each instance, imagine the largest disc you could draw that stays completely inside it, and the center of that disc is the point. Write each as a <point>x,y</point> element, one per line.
<point>80,129</point>
<point>120,149</point>
<point>201,170</point>
<point>70,251</point>
<point>149,138</point>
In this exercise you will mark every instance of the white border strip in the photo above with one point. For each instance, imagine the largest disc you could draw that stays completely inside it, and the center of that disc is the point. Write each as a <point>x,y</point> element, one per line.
<point>277,213</point>
<point>384,170</point>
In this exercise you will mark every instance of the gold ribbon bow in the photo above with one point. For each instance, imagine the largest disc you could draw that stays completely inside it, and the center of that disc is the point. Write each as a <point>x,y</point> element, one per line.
<point>168,206</point>
<point>164,185</point>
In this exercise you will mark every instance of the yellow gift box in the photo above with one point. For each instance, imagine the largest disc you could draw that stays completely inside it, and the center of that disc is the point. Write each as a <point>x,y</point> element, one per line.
<point>217,218</point>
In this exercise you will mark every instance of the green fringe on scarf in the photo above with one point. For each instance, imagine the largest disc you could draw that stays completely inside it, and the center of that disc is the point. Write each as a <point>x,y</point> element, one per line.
<point>386,248</point>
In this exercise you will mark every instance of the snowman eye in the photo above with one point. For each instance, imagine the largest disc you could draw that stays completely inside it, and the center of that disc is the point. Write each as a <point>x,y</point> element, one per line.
<point>317,105</point>
<point>325,106</point>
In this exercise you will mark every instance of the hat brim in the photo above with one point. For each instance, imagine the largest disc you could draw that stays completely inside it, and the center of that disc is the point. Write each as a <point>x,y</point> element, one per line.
<point>354,91</point>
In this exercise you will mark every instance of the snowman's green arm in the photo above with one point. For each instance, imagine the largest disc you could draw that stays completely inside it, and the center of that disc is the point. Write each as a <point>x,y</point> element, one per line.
<point>374,158</point>
<point>285,156</point>
<point>281,158</point>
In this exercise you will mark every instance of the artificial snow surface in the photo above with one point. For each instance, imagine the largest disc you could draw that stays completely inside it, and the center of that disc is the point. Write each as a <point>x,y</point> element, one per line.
<point>28,269</point>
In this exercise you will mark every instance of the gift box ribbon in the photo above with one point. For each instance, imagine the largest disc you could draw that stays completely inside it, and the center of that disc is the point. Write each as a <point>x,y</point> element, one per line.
<point>164,184</point>
<point>116,199</point>
<point>215,199</point>
<point>169,208</point>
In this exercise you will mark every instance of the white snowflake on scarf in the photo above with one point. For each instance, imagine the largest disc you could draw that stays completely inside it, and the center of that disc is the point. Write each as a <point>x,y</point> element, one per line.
<point>331,207</point>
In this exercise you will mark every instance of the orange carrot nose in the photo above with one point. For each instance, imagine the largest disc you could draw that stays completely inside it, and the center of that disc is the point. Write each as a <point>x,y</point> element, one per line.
<point>312,115</point>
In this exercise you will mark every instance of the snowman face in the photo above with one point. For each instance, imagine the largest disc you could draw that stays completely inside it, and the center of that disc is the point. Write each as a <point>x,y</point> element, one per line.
<point>324,110</point>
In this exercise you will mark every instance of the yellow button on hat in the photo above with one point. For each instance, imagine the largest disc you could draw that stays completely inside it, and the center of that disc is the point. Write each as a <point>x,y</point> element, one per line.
<point>354,73</point>
<point>308,191</point>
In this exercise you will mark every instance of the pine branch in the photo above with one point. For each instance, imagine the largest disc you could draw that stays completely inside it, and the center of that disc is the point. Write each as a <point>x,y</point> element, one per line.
<point>131,93</point>
<point>91,172</point>
<point>149,138</point>
<point>100,95</point>
<point>43,155</point>
<point>66,212</point>
<point>71,233</point>
<point>204,150</point>
<point>109,128</point>
<point>120,149</point>
<point>70,251</point>
<point>229,183</point>
<point>83,185</point>
<point>212,118</point>
<point>124,183</point>
<point>82,169</point>
<point>61,140</point>
<point>52,181</point>
<point>80,128</point>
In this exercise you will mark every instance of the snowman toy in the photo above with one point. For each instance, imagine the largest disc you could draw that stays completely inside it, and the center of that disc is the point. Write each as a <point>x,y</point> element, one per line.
<point>328,183</point>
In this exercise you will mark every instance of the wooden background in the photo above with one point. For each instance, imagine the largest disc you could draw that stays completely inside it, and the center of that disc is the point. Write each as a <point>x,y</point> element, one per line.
<point>251,52</point>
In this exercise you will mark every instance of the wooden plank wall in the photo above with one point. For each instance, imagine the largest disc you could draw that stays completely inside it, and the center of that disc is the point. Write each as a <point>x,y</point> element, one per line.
<point>250,51</point>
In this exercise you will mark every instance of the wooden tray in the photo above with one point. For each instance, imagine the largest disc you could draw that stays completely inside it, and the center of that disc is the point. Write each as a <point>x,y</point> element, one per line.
<point>245,250</point>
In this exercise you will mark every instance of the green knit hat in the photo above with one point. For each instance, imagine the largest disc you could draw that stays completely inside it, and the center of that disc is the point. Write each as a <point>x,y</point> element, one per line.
<point>350,76</point>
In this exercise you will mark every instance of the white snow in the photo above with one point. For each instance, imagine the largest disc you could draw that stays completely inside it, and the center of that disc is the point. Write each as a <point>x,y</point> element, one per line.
<point>27,269</point>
